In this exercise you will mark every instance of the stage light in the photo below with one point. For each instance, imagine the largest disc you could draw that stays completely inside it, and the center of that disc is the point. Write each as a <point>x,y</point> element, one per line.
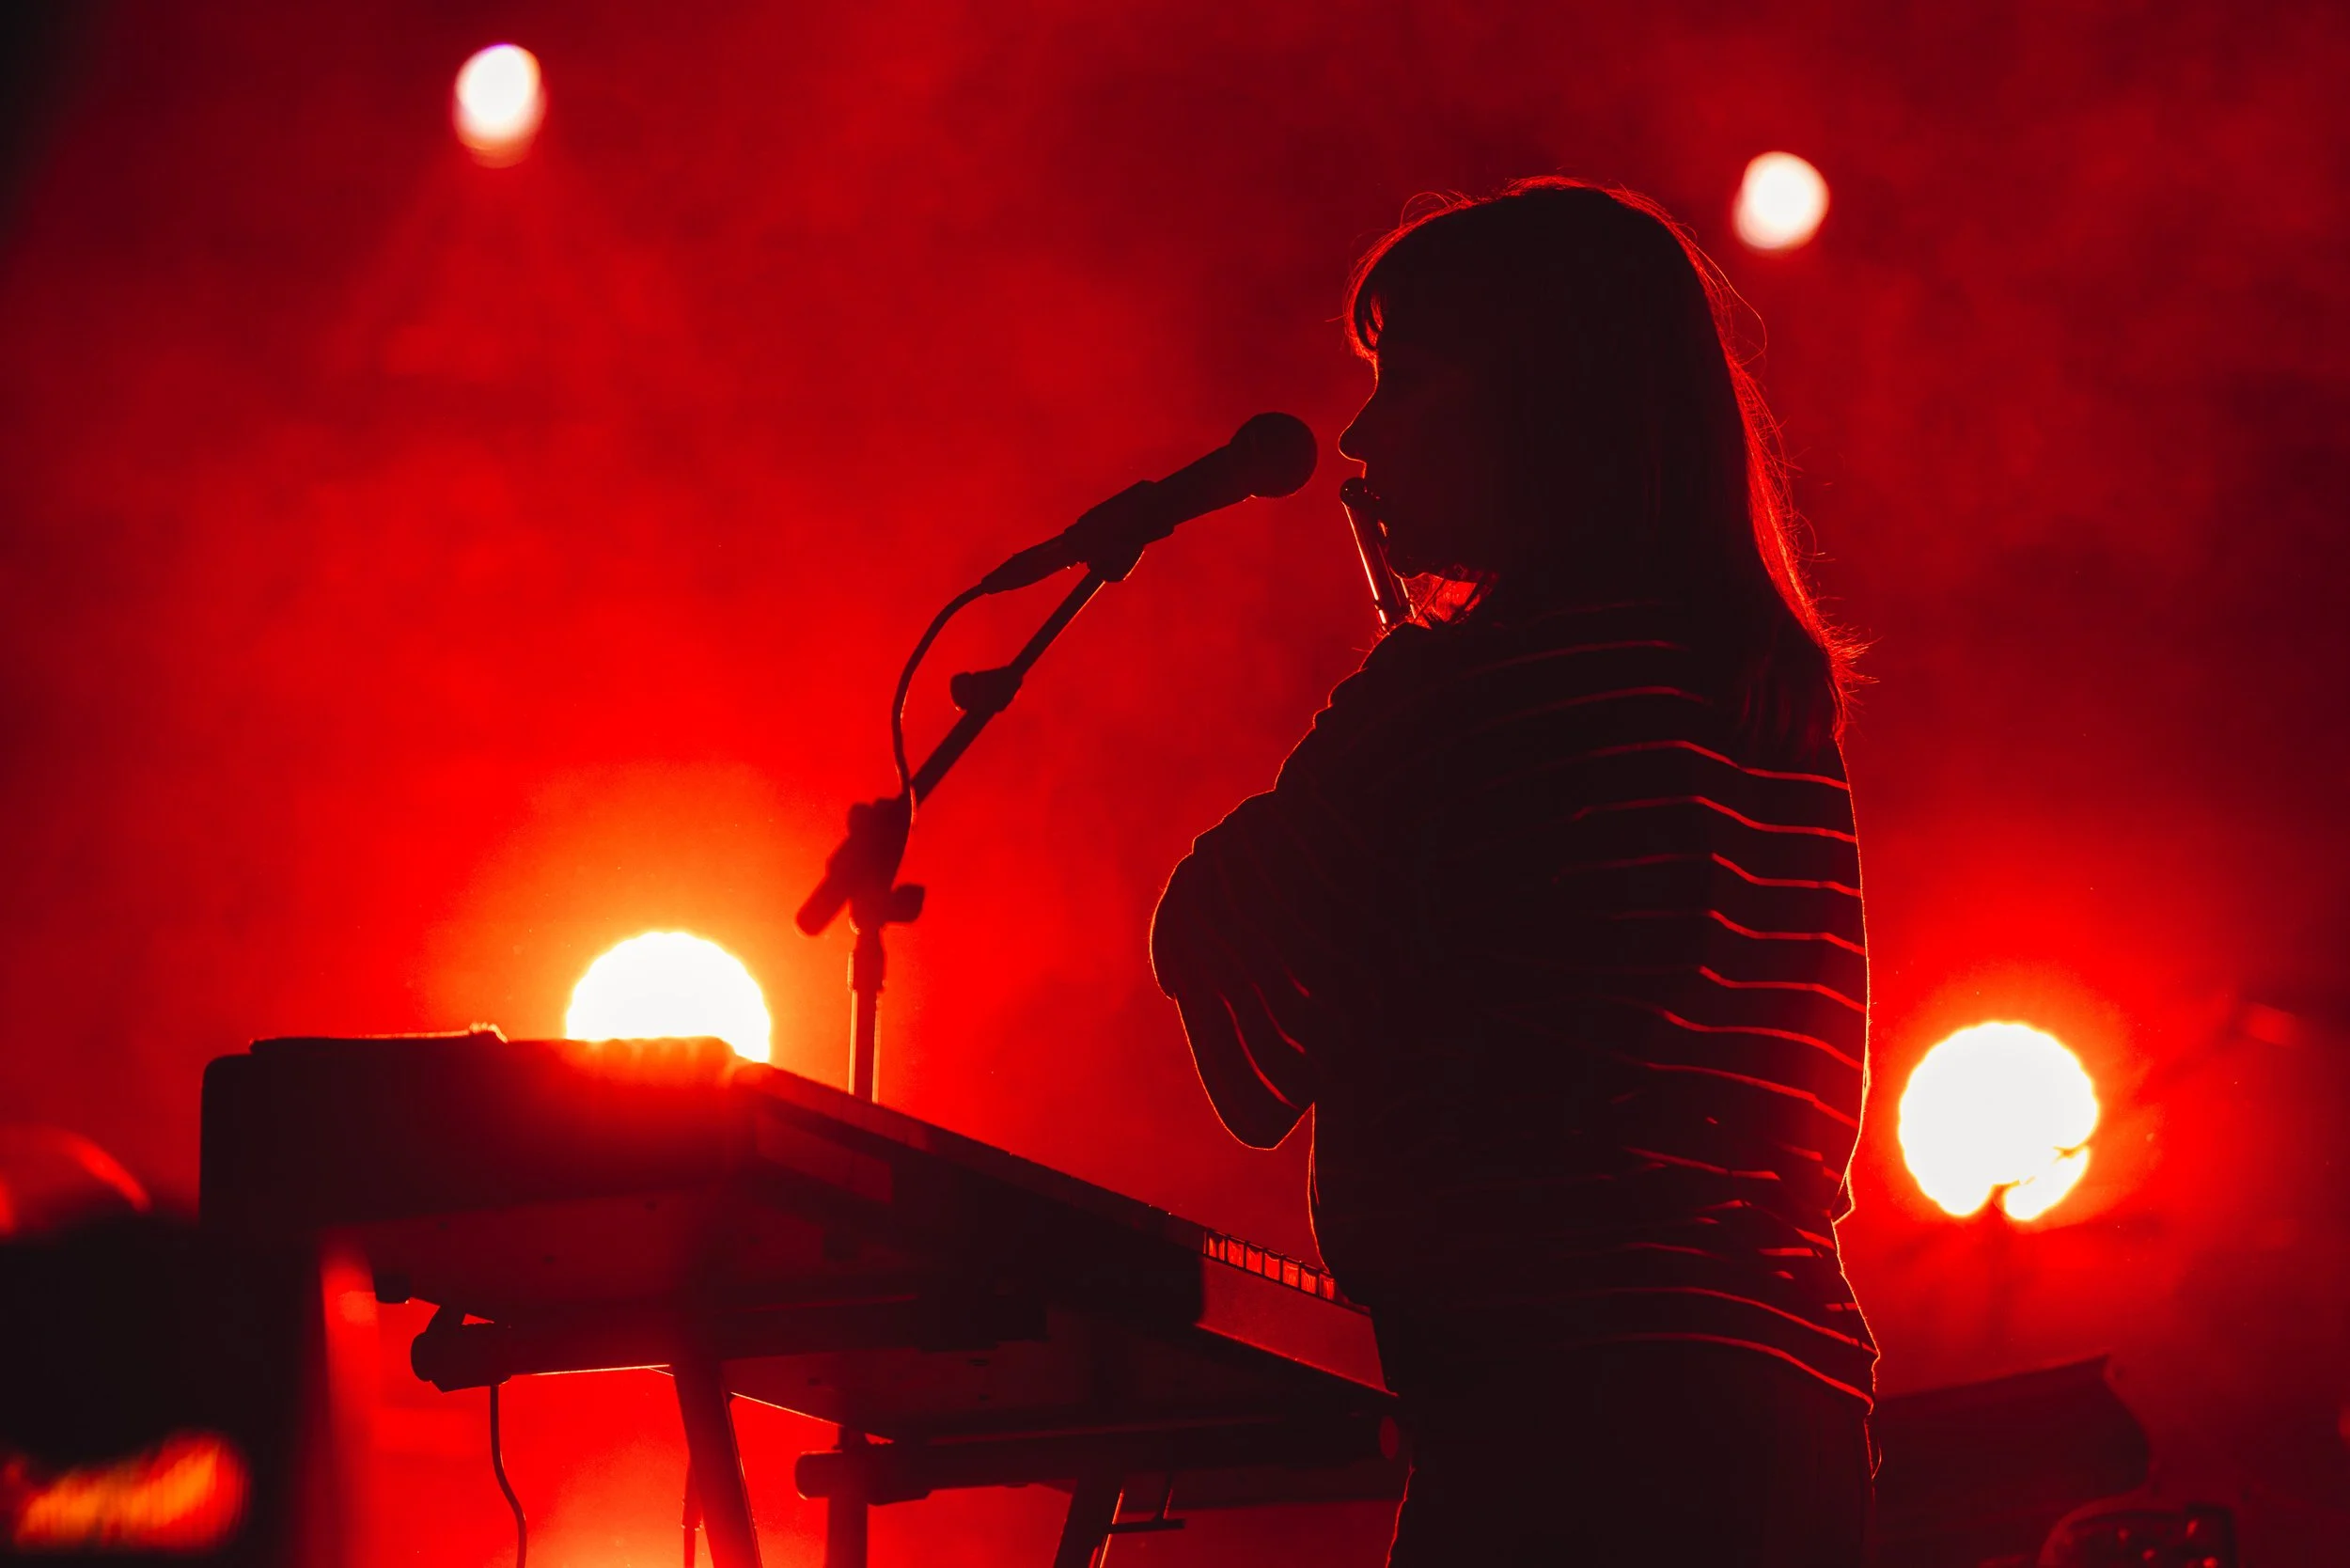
<point>499,102</point>
<point>1998,1110</point>
<point>1780,202</point>
<point>667,984</point>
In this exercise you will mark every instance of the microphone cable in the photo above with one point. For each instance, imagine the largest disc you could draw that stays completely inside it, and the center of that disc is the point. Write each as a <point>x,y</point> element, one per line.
<point>905,683</point>
<point>497,1469</point>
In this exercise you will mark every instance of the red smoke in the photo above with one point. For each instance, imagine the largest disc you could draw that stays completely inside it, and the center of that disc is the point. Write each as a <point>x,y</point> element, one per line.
<point>421,575</point>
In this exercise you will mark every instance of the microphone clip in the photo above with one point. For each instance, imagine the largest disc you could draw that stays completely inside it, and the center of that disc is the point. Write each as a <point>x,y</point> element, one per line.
<point>862,873</point>
<point>985,691</point>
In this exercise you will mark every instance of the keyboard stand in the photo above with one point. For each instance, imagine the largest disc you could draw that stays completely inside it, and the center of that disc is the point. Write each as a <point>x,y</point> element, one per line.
<point>1092,1509</point>
<point>722,1499</point>
<point>695,1347</point>
<point>717,1465</point>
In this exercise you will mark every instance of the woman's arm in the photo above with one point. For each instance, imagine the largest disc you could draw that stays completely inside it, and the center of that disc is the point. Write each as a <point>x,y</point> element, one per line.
<point>1229,947</point>
<point>1271,935</point>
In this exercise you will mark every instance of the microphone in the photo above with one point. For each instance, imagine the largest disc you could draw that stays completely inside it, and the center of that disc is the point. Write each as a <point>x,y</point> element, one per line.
<point>1273,454</point>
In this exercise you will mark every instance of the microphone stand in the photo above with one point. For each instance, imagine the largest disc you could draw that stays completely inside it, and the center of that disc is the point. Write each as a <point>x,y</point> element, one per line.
<point>1276,454</point>
<point>1272,454</point>
<point>862,873</point>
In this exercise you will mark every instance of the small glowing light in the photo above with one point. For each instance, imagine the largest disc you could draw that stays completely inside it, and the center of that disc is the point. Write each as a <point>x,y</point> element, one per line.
<point>1780,202</point>
<point>669,986</point>
<point>1998,1108</point>
<point>499,102</point>
<point>186,1494</point>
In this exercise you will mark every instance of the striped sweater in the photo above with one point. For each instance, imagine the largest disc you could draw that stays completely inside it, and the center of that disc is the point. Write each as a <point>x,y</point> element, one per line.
<point>1576,983</point>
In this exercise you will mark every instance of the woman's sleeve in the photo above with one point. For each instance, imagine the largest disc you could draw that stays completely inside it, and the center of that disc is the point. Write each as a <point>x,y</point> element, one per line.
<point>1266,935</point>
<point>1258,1078</point>
<point>1247,942</point>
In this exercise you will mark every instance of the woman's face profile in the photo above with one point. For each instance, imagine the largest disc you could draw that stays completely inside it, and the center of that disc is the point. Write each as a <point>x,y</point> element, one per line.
<point>1430,443</point>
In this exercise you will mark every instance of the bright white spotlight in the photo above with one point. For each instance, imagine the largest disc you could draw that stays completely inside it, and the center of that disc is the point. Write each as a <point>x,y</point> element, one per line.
<point>499,102</point>
<point>1998,1108</point>
<point>1780,202</point>
<point>670,985</point>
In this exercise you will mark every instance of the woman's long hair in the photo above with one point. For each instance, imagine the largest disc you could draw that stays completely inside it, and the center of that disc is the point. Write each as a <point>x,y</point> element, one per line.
<point>1634,435</point>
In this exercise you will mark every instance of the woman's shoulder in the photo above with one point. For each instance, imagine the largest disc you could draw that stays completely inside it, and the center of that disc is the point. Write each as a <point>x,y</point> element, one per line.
<point>1558,653</point>
<point>1650,621</point>
<point>1420,684</point>
<point>1464,646</point>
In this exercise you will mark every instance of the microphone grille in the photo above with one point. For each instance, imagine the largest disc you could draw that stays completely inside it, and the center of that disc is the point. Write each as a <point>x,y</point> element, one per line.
<point>1277,453</point>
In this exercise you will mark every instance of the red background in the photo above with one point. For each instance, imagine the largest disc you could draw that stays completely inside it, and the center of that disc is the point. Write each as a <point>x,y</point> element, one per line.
<point>419,576</point>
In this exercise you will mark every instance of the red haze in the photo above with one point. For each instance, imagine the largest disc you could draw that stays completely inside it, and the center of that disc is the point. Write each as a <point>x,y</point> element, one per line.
<point>421,575</point>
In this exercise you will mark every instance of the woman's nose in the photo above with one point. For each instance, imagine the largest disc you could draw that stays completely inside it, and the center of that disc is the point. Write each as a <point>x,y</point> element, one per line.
<point>1354,440</point>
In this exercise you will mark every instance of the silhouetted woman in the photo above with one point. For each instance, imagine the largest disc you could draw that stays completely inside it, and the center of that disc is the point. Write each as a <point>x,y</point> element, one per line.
<point>1555,919</point>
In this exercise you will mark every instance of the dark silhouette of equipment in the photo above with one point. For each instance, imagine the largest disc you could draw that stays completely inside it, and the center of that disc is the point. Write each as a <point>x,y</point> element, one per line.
<point>1982,1471</point>
<point>156,1397</point>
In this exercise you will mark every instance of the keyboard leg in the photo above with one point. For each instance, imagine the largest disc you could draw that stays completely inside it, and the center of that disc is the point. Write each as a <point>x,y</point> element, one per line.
<point>844,1533</point>
<point>1092,1509</point>
<point>718,1465</point>
<point>845,1517</point>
